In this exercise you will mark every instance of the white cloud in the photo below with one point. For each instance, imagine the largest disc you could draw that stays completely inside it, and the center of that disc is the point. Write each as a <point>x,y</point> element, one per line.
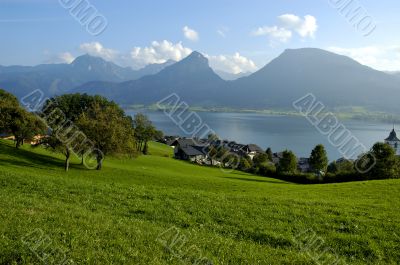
<point>384,58</point>
<point>158,52</point>
<point>274,33</point>
<point>66,57</point>
<point>288,23</point>
<point>305,27</point>
<point>97,49</point>
<point>190,34</point>
<point>235,63</point>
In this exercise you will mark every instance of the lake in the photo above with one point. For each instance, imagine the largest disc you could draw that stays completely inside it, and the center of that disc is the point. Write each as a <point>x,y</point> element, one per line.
<point>278,132</point>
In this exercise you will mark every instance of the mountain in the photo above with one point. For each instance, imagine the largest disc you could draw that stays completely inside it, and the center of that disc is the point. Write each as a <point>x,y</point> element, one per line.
<point>230,76</point>
<point>55,79</point>
<point>335,80</point>
<point>396,74</point>
<point>191,78</point>
<point>152,69</point>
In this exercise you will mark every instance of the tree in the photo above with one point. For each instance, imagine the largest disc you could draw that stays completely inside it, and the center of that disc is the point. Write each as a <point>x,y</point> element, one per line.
<point>269,154</point>
<point>8,103</point>
<point>61,114</point>
<point>288,163</point>
<point>387,164</point>
<point>212,137</point>
<point>222,152</point>
<point>109,129</point>
<point>260,159</point>
<point>245,164</point>
<point>25,126</point>
<point>73,105</point>
<point>7,98</point>
<point>145,149</point>
<point>319,159</point>
<point>16,120</point>
<point>333,168</point>
<point>267,169</point>
<point>144,131</point>
<point>158,135</point>
<point>230,160</point>
<point>212,154</point>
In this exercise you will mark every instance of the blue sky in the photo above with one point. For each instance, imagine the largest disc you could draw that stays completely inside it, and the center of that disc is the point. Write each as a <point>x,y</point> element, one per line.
<point>235,35</point>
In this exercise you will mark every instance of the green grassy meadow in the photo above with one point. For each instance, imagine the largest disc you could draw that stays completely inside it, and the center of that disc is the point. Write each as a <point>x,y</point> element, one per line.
<point>157,210</point>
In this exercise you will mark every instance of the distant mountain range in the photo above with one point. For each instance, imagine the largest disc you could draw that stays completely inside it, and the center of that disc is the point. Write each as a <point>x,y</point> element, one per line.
<point>56,79</point>
<point>335,80</point>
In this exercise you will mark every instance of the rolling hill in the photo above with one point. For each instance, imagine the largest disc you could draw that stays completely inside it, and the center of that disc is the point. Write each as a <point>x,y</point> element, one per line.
<point>131,211</point>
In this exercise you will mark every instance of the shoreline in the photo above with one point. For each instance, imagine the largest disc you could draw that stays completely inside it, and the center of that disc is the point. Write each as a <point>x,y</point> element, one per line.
<point>355,115</point>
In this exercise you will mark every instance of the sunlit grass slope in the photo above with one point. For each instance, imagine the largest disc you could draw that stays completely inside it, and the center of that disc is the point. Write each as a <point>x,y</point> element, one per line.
<point>132,210</point>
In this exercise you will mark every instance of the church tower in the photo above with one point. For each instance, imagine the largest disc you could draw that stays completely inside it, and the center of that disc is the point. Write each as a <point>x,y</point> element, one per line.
<point>393,141</point>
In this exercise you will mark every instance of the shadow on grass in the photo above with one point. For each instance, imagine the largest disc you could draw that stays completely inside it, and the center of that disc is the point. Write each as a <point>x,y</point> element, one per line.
<point>258,180</point>
<point>26,158</point>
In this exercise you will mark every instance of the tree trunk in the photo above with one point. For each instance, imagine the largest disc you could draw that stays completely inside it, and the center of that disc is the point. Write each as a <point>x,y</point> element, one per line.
<point>99,161</point>
<point>67,156</point>
<point>140,146</point>
<point>82,159</point>
<point>145,149</point>
<point>17,143</point>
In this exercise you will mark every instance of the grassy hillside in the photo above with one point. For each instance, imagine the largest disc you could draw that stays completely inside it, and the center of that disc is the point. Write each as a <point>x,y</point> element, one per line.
<point>132,211</point>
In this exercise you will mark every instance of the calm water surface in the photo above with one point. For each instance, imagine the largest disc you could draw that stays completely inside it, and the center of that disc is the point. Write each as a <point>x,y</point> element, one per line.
<point>277,132</point>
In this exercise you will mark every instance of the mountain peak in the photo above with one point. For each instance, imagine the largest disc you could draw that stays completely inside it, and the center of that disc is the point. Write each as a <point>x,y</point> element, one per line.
<point>194,67</point>
<point>308,52</point>
<point>87,59</point>
<point>196,57</point>
<point>314,53</point>
<point>196,54</point>
<point>310,58</point>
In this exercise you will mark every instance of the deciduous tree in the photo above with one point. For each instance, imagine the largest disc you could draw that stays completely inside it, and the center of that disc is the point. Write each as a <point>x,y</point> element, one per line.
<point>319,159</point>
<point>109,129</point>
<point>288,163</point>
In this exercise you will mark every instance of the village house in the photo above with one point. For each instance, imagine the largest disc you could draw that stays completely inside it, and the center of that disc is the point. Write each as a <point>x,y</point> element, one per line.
<point>6,136</point>
<point>240,149</point>
<point>303,165</point>
<point>276,157</point>
<point>197,150</point>
<point>169,140</point>
<point>252,150</point>
<point>35,141</point>
<point>190,150</point>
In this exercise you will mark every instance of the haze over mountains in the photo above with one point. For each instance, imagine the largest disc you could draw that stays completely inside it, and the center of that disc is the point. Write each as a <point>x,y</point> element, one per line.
<point>55,79</point>
<point>334,79</point>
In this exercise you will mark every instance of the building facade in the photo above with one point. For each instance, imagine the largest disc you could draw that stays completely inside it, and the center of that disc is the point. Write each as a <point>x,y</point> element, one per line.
<point>393,141</point>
